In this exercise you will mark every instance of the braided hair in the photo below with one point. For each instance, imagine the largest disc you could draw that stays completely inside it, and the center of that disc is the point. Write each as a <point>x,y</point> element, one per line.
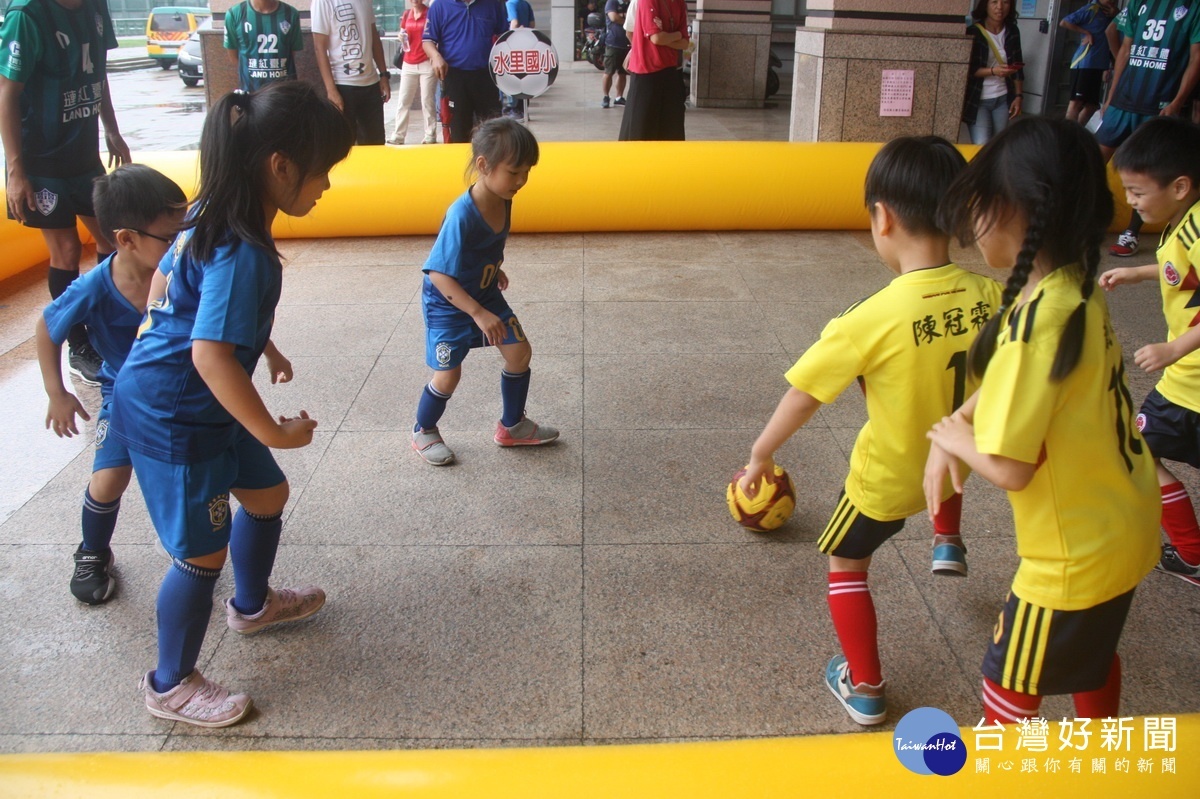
<point>1049,175</point>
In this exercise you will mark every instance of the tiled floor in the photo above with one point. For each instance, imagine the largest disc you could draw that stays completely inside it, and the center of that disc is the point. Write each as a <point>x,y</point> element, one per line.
<point>589,592</point>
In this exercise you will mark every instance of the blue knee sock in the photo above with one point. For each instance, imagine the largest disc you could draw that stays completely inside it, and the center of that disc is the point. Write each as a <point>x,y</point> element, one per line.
<point>430,408</point>
<point>99,521</point>
<point>253,542</point>
<point>514,390</point>
<point>184,604</point>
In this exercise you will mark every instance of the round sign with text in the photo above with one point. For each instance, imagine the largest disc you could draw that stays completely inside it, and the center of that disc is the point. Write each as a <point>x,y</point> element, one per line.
<point>523,63</point>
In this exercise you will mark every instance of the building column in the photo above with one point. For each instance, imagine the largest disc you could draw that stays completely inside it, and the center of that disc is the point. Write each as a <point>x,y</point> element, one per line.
<point>842,55</point>
<point>562,29</point>
<point>733,43</point>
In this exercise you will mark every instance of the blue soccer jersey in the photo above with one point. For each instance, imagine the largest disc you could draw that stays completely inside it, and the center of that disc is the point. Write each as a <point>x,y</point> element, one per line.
<point>468,250</point>
<point>94,300</point>
<point>162,407</point>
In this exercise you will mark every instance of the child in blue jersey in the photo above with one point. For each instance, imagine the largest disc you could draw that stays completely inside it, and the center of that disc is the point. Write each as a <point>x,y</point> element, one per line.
<point>461,297</point>
<point>184,404</point>
<point>1052,422</point>
<point>140,210</point>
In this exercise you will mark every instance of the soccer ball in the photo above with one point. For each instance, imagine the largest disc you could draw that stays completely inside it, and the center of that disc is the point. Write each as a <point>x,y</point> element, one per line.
<point>766,510</point>
<point>523,63</point>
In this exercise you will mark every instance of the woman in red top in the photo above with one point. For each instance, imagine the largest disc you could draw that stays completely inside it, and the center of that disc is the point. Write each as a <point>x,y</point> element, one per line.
<point>417,69</point>
<point>654,104</point>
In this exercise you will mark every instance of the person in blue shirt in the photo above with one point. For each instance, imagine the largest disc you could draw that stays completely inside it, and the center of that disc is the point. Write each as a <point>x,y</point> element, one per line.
<point>458,40</point>
<point>1091,59</point>
<point>462,296</point>
<point>616,49</point>
<point>520,15</point>
<point>184,403</point>
<point>140,210</point>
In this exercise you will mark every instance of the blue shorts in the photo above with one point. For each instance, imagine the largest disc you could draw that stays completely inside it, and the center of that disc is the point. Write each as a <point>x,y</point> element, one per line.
<point>854,535</point>
<point>189,502</point>
<point>447,347</point>
<point>58,201</point>
<point>1039,651</point>
<point>110,452</point>
<point>1118,126</point>
<point>1171,431</point>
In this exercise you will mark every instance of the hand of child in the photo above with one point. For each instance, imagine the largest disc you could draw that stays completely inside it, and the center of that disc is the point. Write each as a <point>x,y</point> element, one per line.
<point>296,431</point>
<point>755,472</point>
<point>502,280</point>
<point>1120,276</point>
<point>491,326</point>
<point>60,415</point>
<point>938,465</point>
<point>279,366</point>
<point>1153,357</point>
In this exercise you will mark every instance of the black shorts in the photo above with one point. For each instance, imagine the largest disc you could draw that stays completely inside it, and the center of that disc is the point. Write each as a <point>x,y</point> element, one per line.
<point>1039,651</point>
<point>1171,432</point>
<point>854,535</point>
<point>614,60</point>
<point>1086,85</point>
<point>58,201</point>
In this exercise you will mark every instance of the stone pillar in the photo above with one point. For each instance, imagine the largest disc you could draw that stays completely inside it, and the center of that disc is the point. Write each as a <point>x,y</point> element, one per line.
<point>562,29</point>
<point>733,42</point>
<point>841,55</point>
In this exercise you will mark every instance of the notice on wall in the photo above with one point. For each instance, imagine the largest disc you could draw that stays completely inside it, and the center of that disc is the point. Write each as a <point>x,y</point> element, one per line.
<point>1028,8</point>
<point>896,93</point>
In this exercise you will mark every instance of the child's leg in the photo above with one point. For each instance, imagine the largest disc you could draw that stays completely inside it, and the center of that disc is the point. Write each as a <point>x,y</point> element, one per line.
<point>184,605</point>
<point>1178,516</point>
<point>514,381</point>
<point>949,554</point>
<point>1104,702</point>
<point>253,543</point>
<point>1004,706</point>
<point>853,614</point>
<point>436,394</point>
<point>101,503</point>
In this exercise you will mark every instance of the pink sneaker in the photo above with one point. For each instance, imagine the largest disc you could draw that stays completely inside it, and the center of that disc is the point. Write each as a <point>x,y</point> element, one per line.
<point>286,604</point>
<point>525,433</point>
<point>196,701</point>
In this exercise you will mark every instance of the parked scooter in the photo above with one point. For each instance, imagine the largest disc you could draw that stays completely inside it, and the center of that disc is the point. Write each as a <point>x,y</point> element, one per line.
<point>592,46</point>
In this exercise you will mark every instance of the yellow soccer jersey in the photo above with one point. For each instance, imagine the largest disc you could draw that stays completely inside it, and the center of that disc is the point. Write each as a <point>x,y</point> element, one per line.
<point>1087,524</point>
<point>908,343</point>
<point>1178,260</point>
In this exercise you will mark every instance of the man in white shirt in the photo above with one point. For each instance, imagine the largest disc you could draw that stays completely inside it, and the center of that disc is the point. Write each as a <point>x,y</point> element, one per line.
<point>352,64</point>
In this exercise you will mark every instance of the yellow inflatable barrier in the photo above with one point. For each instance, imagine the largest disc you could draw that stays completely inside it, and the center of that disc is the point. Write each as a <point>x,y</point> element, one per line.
<point>389,191</point>
<point>851,765</point>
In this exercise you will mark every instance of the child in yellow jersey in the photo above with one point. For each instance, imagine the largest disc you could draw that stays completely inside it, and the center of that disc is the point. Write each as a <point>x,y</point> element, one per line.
<point>1052,421</point>
<point>1160,169</point>
<point>907,345</point>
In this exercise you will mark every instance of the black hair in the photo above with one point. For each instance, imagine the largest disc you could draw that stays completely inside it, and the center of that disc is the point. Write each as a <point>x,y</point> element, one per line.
<point>1164,148</point>
<point>134,196</point>
<point>241,133</point>
<point>979,12</point>
<point>502,140</point>
<point>1051,173</point>
<point>910,175</point>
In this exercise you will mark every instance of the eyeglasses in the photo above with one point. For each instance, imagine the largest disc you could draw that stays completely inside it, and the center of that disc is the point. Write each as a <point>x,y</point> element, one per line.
<point>151,235</point>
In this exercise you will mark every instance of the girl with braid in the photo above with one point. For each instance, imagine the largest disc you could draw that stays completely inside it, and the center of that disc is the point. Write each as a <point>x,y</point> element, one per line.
<point>1052,422</point>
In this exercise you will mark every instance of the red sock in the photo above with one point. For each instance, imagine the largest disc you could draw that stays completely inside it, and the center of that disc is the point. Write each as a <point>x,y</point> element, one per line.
<point>948,520</point>
<point>853,614</point>
<point>1179,522</point>
<point>1007,707</point>
<point>1103,702</point>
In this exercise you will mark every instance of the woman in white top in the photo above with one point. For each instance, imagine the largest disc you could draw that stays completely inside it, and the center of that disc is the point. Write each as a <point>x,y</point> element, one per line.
<point>995,77</point>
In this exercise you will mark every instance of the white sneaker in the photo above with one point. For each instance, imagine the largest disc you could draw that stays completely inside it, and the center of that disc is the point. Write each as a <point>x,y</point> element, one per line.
<point>195,701</point>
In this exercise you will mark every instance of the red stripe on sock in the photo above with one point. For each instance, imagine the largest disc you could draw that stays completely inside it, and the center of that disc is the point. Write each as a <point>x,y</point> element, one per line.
<point>1179,521</point>
<point>1007,707</point>
<point>853,613</point>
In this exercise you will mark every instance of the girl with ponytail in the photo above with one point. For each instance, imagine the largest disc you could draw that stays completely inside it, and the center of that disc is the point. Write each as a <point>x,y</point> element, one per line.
<point>1052,421</point>
<point>184,404</point>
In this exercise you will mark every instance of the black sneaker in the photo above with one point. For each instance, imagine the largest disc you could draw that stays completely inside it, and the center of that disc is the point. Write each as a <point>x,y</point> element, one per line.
<point>1174,565</point>
<point>84,362</point>
<point>93,583</point>
<point>604,103</point>
<point>619,101</point>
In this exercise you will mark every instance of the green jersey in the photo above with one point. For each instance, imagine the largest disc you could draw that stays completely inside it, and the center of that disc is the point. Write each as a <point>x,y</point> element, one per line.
<point>1160,33</point>
<point>264,43</point>
<point>60,55</point>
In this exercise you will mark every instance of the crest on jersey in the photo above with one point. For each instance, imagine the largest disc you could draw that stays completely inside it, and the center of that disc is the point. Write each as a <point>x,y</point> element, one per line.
<point>442,352</point>
<point>1171,274</point>
<point>285,26</point>
<point>218,511</point>
<point>1140,422</point>
<point>101,432</point>
<point>64,41</point>
<point>47,201</point>
<point>1180,12</point>
<point>247,27</point>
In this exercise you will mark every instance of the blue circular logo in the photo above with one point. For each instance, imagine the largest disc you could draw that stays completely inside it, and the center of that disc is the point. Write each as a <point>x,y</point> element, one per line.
<point>926,742</point>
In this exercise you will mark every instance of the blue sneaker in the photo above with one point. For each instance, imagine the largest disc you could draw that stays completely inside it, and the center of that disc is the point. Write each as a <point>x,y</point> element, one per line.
<point>949,556</point>
<point>865,703</point>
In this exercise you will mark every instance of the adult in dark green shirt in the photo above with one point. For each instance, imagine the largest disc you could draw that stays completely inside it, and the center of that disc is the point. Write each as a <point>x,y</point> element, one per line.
<point>263,34</point>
